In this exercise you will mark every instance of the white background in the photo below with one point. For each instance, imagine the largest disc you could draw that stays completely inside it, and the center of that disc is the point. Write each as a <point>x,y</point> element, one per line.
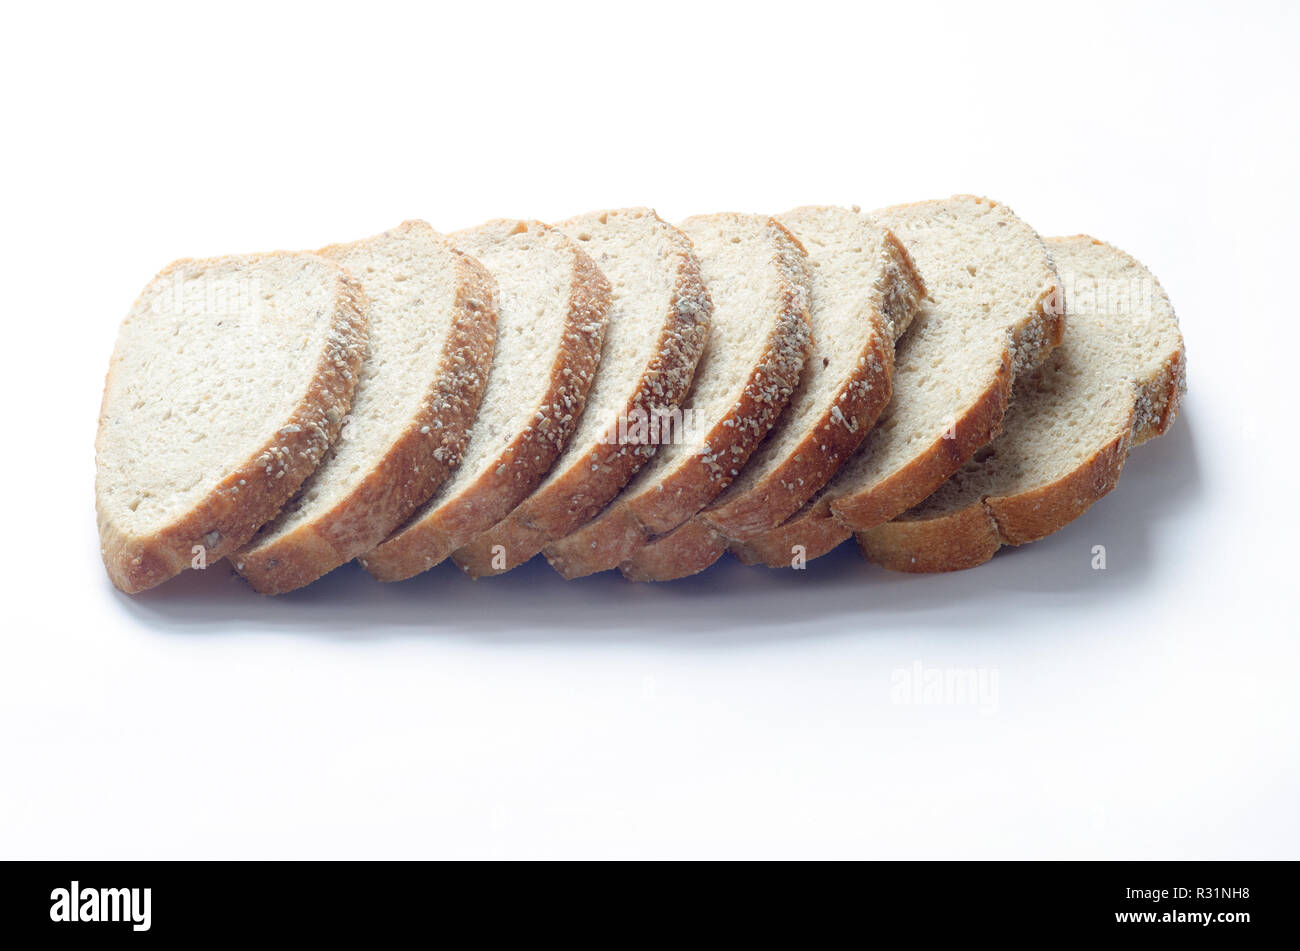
<point>1148,710</point>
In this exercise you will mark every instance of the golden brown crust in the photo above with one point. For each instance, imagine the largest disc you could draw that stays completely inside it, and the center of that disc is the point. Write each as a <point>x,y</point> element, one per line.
<point>686,551</point>
<point>1029,516</point>
<point>255,491</point>
<point>627,524</point>
<point>812,529</point>
<point>971,535</point>
<point>417,463</point>
<point>964,539</point>
<point>526,460</point>
<point>586,487</point>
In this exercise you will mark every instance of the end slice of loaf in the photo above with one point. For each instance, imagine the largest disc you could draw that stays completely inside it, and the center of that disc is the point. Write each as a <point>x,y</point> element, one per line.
<point>658,324</point>
<point>553,306</point>
<point>757,275</point>
<point>432,332</point>
<point>993,313</point>
<point>864,294</point>
<point>1115,381</point>
<point>228,383</point>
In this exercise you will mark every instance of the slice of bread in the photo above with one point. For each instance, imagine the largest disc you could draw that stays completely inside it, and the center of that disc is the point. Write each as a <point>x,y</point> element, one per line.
<point>554,303</point>
<point>432,332</point>
<point>757,276</point>
<point>993,313</point>
<point>229,381</point>
<point>658,324</point>
<point>864,293</point>
<point>1116,381</point>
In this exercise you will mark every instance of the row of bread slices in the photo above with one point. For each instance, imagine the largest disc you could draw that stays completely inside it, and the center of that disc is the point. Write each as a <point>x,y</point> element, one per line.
<point>616,392</point>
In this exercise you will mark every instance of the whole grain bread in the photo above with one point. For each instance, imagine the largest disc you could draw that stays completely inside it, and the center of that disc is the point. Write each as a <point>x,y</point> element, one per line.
<point>1115,382</point>
<point>432,333</point>
<point>864,294</point>
<point>993,313</point>
<point>658,324</point>
<point>229,381</point>
<point>553,307</point>
<point>757,275</point>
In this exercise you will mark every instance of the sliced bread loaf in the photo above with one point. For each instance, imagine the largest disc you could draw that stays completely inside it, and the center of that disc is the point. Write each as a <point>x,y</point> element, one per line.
<point>658,324</point>
<point>993,313</point>
<point>757,276</point>
<point>228,383</point>
<point>1114,382</point>
<point>864,293</point>
<point>432,331</point>
<point>553,305</point>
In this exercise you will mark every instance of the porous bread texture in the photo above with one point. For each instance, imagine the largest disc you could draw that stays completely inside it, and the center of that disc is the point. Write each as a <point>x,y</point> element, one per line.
<point>864,293</point>
<point>1115,381</point>
<point>228,383</point>
<point>757,275</point>
<point>553,307</point>
<point>993,312</point>
<point>432,332</point>
<point>658,324</point>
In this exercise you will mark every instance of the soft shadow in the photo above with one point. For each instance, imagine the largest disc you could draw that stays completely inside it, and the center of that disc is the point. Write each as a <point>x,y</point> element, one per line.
<point>837,595</point>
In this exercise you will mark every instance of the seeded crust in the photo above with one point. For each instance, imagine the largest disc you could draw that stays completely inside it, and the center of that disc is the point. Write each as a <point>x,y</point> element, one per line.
<point>416,464</point>
<point>629,522</point>
<point>258,488</point>
<point>831,517</point>
<point>577,495</point>
<point>970,536</point>
<point>422,544</point>
<point>832,439</point>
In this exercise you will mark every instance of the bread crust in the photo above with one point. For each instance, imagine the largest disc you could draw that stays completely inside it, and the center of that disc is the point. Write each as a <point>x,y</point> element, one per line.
<point>964,539</point>
<point>587,486</point>
<point>686,551</point>
<point>628,524</point>
<point>430,447</point>
<point>525,461</point>
<point>250,495</point>
<point>692,547</point>
<point>1160,399</point>
<point>813,529</point>
<point>972,535</point>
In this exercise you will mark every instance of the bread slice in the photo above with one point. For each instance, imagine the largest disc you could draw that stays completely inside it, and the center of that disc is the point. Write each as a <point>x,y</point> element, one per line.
<point>658,323</point>
<point>1116,381</point>
<point>229,381</point>
<point>554,303</point>
<point>432,332</point>
<point>865,292</point>
<point>757,276</point>
<point>994,312</point>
